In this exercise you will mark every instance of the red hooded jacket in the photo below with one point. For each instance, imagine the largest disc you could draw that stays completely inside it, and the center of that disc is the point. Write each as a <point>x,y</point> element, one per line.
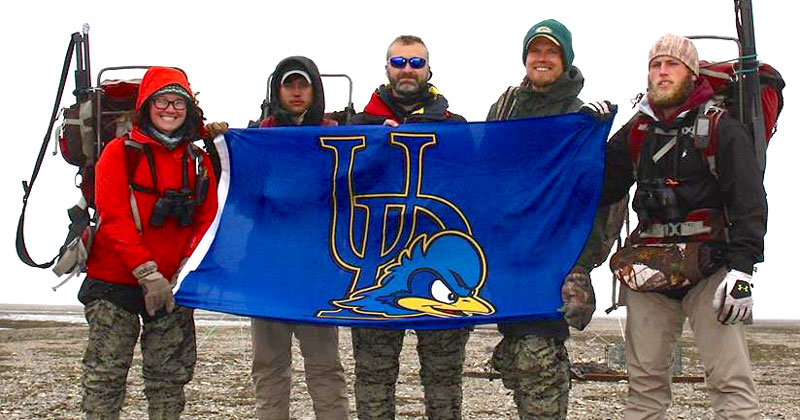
<point>118,246</point>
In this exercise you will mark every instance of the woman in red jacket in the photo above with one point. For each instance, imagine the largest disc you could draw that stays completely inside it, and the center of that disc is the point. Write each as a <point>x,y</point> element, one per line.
<point>155,197</point>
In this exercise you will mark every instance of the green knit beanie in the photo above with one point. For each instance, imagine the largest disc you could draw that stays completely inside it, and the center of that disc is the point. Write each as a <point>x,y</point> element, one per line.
<point>556,32</point>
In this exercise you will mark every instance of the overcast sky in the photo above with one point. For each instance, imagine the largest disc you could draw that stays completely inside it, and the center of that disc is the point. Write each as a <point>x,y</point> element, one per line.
<point>229,48</point>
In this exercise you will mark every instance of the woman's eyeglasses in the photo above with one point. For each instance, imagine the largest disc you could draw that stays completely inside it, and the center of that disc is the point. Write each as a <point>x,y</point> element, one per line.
<point>162,104</point>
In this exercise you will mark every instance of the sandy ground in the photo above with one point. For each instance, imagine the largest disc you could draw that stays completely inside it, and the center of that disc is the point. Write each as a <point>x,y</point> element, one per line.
<point>41,348</point>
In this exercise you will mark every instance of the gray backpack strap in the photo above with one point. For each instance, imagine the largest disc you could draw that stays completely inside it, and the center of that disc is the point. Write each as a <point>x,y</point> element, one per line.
<point>137,219</point>
<point>507,102</point>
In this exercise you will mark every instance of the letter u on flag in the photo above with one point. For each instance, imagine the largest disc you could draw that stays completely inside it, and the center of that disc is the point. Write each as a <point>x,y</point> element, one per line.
<point>423,226</point>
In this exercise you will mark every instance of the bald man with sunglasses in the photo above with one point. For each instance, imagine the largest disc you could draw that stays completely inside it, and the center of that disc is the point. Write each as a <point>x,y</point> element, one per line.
<point>408,98</point>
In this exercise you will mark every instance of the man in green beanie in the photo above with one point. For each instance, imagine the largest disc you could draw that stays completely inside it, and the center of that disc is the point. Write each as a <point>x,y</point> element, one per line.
<point>551,84</point>
<point>531,357</point>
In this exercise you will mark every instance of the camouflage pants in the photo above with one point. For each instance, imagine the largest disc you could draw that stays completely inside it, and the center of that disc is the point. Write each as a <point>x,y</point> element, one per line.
<point>537,370</point>
<point>168,357</point>
<point>377,357</point>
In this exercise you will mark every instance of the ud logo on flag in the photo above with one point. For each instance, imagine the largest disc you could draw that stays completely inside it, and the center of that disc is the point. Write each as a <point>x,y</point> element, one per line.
<point>409,272</point>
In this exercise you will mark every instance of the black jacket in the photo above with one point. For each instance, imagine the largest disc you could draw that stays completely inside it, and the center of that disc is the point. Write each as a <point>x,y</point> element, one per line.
<point>738,190</point>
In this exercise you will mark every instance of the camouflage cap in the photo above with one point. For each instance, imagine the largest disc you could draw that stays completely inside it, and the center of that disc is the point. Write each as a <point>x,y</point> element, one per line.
<point>678,47</point>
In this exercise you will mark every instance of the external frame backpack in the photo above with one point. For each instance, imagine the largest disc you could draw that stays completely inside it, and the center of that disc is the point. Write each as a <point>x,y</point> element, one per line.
<point>669,256</point>
<point>752,92</point>
<point>99,115</point>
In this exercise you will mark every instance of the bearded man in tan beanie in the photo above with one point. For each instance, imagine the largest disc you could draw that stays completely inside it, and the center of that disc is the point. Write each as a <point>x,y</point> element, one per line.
<point>701,210</point>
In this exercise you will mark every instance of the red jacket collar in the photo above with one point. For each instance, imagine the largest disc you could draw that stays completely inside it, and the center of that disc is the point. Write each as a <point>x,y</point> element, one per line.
<point>376,106</point>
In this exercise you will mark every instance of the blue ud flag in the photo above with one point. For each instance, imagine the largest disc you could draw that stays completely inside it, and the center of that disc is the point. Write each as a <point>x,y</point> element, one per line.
<point>423,226</point>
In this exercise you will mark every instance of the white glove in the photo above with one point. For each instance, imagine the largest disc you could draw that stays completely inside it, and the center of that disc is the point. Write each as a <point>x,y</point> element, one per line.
<point>600,110</point>
<point>733,299</point>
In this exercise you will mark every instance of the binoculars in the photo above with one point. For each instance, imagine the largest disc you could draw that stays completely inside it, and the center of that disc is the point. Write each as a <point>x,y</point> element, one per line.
<point>655,200</point>
<point>175,203</point>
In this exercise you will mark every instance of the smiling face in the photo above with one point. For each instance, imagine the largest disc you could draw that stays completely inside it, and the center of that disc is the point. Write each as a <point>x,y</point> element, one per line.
<point>407,81</point>
<point>543,64</point>
<point>669,83</point>
<point>296,95</point>
<point>169,119</point>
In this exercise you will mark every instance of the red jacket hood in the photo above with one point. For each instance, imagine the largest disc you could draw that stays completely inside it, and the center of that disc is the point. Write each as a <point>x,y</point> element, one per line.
<point>158,77</point>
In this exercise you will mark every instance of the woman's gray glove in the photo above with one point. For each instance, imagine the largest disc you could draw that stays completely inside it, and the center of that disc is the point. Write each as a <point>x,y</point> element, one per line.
<point>157,289</point>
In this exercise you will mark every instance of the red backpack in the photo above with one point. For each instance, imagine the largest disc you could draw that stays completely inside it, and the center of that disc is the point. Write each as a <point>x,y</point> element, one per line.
<point>724,79</point>
<point>81,140</point>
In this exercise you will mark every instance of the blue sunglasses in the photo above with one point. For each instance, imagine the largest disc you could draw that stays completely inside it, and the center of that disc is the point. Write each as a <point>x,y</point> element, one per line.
<point>414,62</point>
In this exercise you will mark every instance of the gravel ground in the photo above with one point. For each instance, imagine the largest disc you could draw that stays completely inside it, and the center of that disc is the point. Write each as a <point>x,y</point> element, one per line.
<point>40,373</point>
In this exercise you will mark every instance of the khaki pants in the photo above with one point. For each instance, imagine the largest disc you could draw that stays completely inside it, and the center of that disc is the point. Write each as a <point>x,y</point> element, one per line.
<point>653,327</point>
<point>272,376</point>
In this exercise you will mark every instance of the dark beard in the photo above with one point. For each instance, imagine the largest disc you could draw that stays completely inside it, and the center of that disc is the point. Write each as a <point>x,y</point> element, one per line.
<point>674,100</point>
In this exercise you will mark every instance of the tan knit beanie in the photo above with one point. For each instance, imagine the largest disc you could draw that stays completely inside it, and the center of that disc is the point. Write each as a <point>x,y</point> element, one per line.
<point>678,47</point>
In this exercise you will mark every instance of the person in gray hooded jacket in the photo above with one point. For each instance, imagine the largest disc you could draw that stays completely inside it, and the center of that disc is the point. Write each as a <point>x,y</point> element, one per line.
<point>297,98</point>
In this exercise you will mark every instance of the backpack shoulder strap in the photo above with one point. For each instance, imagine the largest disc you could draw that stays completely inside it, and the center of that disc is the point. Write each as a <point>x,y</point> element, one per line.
<point>201,179</point>
<point>507,102</point>
<point>213,155</point>
<point>705,134</point>
<point>133,154</point>
<point>640,124</point>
